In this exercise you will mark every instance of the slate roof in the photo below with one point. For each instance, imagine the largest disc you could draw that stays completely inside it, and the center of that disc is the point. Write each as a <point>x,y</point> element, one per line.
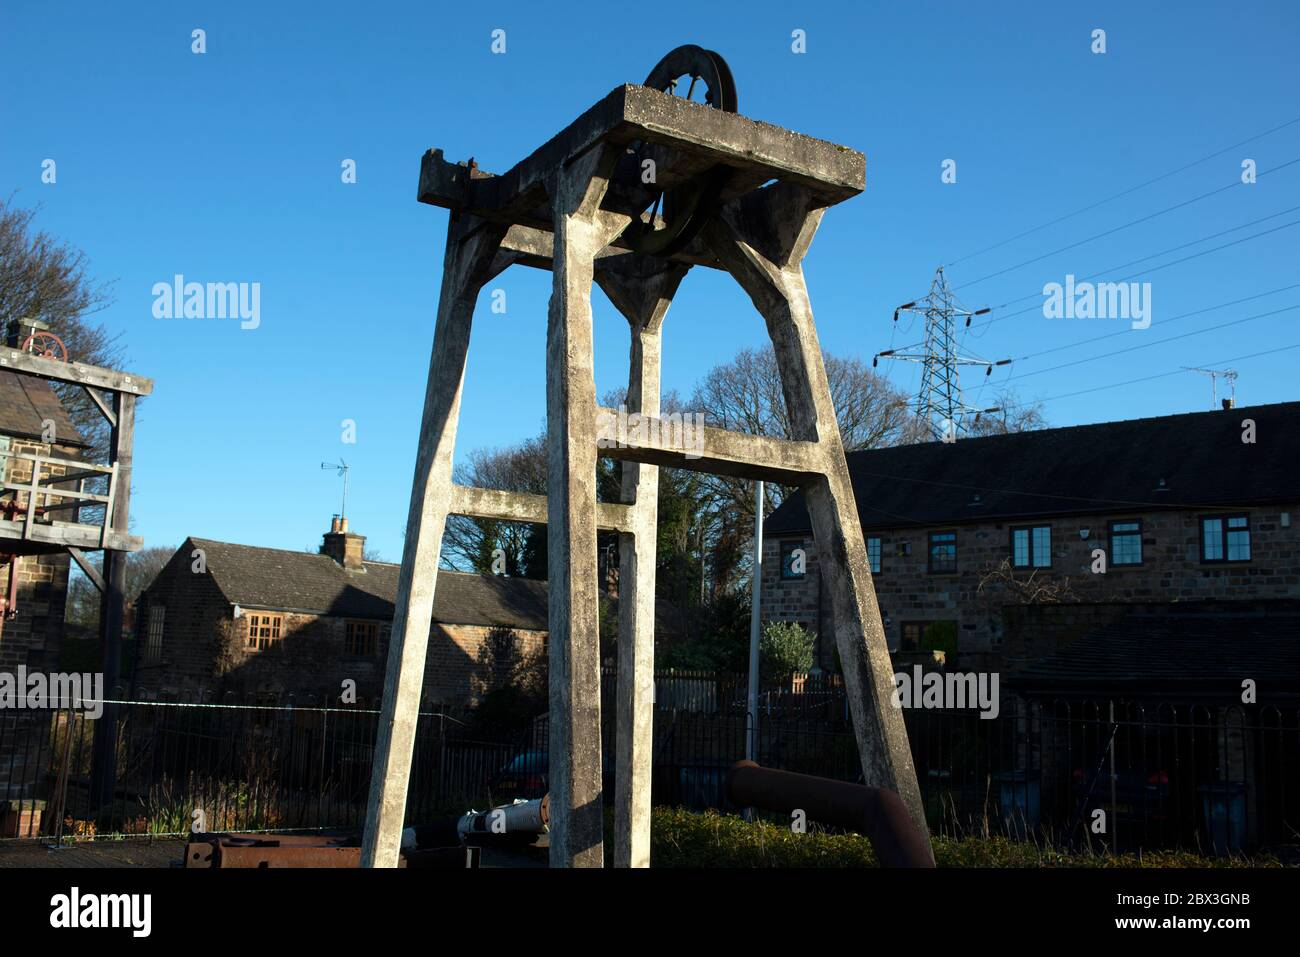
<point>282,580</point>
<point>1082,469</point>
<point>1144,654</point>
<point>25,402</point>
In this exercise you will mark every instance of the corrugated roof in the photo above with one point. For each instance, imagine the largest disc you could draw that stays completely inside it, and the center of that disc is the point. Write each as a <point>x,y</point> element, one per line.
<point>26,402</point>
<point>1083,469</point>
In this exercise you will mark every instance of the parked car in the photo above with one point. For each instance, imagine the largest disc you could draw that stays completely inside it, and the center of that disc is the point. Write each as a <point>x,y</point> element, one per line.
<point>527,776</point>
<point>524,776</point>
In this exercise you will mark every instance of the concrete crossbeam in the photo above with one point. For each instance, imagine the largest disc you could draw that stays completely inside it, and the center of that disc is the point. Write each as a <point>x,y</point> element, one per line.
<point>524,507</point>
<point>757,152</point>
<point>674,442</point>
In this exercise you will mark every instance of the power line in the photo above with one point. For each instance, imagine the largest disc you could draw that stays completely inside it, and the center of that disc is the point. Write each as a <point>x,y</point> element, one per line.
<point>1147,272</point>
<point>1132,189</point>
<point>1156,342</point>
<point>1135,222</point>
<point>1164,252</point>
<point>1149,378</point>
<point>1185,315</point>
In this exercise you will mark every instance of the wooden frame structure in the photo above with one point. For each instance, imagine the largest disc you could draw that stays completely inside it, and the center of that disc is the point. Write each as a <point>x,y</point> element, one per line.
<point>564,208</point>
<point>114,394</point>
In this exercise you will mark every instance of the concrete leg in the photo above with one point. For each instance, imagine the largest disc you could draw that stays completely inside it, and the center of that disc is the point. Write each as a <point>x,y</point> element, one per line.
<point>582,229</point>
<point>467,265</point>
<point>643,302</point>
<point>765,255</point>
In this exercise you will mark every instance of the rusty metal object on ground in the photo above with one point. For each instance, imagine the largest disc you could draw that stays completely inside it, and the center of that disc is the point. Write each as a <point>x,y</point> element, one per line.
<point>258,851</point>
<point>877,813</point>
<point>262,851</point>
<point>451,843</point>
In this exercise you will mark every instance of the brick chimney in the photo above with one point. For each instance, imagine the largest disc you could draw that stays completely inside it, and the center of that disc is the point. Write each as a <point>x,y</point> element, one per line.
<point>343,546</point>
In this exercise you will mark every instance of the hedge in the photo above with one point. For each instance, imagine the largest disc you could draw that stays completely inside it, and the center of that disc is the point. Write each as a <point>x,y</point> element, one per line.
<point>682,838</point>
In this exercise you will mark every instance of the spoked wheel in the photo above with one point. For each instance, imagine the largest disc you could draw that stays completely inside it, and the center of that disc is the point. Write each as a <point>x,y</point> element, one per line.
<point>674,217</point>
<point>46,345</point>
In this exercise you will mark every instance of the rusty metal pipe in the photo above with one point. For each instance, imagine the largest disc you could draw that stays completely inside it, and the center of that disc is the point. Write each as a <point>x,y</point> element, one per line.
<point>877,813</point>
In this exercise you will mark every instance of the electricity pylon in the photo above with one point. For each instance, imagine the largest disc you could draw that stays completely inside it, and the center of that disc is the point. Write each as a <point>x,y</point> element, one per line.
<point>939,402</point>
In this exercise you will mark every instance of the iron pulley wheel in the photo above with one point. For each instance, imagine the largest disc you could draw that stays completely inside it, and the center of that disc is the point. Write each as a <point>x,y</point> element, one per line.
<point>674,216</point>
<point>46,345</point>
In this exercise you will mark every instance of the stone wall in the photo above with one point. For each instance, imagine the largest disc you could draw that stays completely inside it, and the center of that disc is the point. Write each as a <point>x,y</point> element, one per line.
<point>204,653</point>
<point>1171,571</point>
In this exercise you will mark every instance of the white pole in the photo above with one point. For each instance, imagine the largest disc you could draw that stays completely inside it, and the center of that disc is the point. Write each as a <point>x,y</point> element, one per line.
<point>751,720</point>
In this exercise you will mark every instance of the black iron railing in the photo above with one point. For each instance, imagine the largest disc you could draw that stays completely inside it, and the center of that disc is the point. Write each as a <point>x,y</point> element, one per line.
<point>1118,775</point>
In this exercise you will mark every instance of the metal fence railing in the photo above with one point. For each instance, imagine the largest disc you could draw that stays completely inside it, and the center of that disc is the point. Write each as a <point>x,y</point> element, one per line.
<point>1122,775</point>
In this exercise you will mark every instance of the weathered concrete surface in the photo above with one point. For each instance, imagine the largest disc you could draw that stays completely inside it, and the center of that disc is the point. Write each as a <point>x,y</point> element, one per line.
<point>582,229</point>
<point>563,208</point>
<point>466,267</point>
<point>765,255</point>
<point>524,507</point>
<point>643,302</point>
<point>697,135</point>
<point>722,452</point>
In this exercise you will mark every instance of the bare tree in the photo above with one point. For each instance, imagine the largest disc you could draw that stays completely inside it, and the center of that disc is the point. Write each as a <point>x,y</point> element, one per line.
<point>469,543</point>
<point>142,568</point>
<point>1002,586</point>
<point>44,278</point>
<point>745,395</point>
<point>1010,415</point>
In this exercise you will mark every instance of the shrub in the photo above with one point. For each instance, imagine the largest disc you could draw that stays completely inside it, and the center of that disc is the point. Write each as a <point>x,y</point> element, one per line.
<point>682,838</point>
<point>786,648</point>
<point>940,636</point>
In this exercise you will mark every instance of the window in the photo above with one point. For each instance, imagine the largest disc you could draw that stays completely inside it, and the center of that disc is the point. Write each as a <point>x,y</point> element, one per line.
<point>1225,538</point>
<point>940,635</point>
<point>943,552</point>
<point>1126,543</point>
<point>263,631</point>
<point>362,638</point>
<point>912,632</point>
<point>794,559</point>
<point>153,647</point>
<point>873,554</point>
<point>1031,547</point>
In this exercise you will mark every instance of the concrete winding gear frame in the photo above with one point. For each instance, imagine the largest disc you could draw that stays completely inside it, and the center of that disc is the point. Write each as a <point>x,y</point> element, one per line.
<point>565,208</point>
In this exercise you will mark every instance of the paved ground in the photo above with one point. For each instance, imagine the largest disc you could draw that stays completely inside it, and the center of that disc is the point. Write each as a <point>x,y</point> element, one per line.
<point>97,854</point>
<point>163,853</point>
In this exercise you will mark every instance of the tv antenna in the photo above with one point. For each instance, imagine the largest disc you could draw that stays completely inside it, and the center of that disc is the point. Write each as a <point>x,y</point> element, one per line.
<point>1230,375</point>
<point>341,468</point>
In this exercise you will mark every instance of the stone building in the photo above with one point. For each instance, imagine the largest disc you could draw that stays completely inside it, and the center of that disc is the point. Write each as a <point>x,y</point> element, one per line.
<point>247,621</point>
<point>992,549</point>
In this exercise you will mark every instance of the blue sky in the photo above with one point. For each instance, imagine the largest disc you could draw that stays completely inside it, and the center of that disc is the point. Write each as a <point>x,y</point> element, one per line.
<point>226,167</point>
